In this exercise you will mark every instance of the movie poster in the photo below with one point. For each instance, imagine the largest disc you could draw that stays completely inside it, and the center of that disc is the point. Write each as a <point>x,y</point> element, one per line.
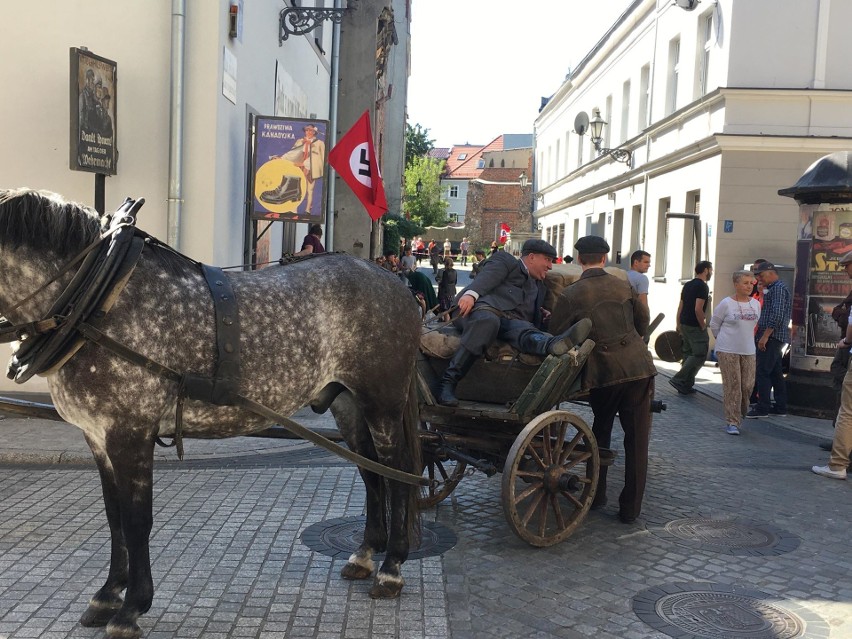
<point>93,113</point>
<point>288,181</point>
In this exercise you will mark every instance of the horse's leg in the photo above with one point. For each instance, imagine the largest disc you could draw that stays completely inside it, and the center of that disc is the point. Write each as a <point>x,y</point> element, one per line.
<point>389,582</point>
<point>107,600</point>
<point>131,454</point>
<point>397,444</point>
<point>353,428</point>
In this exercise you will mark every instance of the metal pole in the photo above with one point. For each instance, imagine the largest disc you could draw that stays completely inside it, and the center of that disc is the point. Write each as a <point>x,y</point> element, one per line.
<point>331,134</point>
<point>100,193</point>
<point>175,197</point>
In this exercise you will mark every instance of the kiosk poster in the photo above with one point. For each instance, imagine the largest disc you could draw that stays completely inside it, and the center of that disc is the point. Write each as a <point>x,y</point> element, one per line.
<point>288,181</point>
<point>93,121</point>
<point>828,278</point>
<point>823,331</point>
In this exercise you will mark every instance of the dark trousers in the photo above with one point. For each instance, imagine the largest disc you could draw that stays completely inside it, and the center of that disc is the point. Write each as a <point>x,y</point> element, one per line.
<point>769,377</point>
<point>481,328</point>
<point>632,402</point>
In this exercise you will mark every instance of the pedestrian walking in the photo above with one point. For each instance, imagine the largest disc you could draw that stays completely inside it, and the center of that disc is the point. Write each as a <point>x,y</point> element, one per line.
<point>733,325</point>
<point>773,333</point>
<point>691,323</point>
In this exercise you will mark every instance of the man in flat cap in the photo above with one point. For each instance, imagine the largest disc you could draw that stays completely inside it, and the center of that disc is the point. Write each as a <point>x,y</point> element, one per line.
<point>505,302</point>
<point>773,332</point>
<point>691,323</point>
<point>619,373</point>
<point>841,444</point>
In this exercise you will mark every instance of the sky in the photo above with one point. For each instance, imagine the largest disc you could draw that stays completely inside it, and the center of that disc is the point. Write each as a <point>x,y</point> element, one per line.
<point>479,68</point>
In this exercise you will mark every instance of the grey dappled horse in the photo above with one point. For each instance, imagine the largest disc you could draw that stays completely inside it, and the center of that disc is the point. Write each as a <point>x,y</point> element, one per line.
<point>332,330</point>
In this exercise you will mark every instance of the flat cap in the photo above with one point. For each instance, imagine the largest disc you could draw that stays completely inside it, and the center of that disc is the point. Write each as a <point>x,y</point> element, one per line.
<point>763,267</point>
<point>538,246</point>
<point>592,244</point>
<point>846,259</point>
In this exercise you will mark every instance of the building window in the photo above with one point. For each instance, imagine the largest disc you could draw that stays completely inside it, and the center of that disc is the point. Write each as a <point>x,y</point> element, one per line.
<point>691,234</point>
<point>662,237</point>
<point>567,156</point>
<point>556,164</point>
<point>705,42</point>
<point>462,156</point>
<point>580,139</point>
<point>454,191</point>
<point>625,110</point>
<point>608,118</point>
<point>644,96</point>
<point>674,71</point>
<point>481,164</point>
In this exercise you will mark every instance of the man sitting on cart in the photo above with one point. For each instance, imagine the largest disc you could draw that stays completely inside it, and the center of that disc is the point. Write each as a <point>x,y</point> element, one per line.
<point>505,302</point>
<point>619,373</point>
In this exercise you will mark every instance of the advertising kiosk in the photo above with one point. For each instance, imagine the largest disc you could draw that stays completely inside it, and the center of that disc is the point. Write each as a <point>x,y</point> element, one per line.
<point>824,194</point>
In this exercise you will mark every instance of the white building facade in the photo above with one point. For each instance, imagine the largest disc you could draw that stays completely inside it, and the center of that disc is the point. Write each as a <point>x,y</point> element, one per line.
<point>719,106</point>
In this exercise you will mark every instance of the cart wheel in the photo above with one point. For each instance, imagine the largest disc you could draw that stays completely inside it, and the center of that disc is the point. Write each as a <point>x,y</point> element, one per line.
<point>550,478</point>
<point>448,472</point>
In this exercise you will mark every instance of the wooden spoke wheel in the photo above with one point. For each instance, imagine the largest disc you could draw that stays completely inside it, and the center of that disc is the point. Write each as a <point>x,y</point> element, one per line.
<point>550,477</point>
<point>447,472</point>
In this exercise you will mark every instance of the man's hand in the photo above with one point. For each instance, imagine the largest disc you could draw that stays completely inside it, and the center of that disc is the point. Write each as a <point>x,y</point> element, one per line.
<point>545,314</point>
<point>466,305</point>
<point>761,343</point>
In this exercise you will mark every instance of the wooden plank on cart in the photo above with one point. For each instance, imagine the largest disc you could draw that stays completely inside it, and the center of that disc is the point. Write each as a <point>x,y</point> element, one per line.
<point>553,378</point>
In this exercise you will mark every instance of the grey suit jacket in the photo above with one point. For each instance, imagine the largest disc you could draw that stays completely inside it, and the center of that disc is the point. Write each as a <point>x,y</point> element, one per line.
<point>500,285</point>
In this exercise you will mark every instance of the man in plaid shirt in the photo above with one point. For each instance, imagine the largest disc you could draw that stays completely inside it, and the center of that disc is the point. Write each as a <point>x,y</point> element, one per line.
<point>772,333</point>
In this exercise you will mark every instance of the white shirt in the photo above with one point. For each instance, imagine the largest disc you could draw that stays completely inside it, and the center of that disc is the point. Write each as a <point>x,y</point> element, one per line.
<point>733,325</point>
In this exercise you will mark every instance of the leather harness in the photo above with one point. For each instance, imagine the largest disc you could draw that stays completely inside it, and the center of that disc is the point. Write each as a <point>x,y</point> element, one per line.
<point>47,344</point>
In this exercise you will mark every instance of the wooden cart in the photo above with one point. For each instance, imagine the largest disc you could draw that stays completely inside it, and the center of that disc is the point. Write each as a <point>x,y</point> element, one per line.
<point>549,457</point>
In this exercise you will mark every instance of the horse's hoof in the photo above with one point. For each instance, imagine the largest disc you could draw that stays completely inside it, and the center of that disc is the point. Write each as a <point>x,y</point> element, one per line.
<point>125,630</point>
<point>98,615</point>
<point>355,571</point>
<point>386,587</point>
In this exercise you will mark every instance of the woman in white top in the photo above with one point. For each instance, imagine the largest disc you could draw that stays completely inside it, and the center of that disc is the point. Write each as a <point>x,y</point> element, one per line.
<point>733,324</point>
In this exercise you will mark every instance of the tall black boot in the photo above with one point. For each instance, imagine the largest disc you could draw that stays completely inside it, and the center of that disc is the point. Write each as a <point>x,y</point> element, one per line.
<point>458,368</point>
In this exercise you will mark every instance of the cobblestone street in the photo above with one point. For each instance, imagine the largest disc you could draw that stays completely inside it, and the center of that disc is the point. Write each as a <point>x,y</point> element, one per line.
<point>228,560</point>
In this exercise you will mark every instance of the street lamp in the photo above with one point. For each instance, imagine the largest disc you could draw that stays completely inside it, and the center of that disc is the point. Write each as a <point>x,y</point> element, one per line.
<point>596,125</point>
<point>524,182</point>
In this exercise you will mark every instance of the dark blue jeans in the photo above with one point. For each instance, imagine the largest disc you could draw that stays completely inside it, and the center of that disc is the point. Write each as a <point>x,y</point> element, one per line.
<point>769,377</point>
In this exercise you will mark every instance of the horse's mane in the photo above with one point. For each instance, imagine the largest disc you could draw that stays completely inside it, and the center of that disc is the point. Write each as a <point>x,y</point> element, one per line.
<point>45,221</point>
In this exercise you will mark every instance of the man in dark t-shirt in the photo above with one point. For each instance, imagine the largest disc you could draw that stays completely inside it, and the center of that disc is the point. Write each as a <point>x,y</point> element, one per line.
<point>692,326</point>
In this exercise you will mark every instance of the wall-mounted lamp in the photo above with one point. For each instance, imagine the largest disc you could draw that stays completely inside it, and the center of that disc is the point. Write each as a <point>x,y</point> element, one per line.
<point>419,187</point>
<point>596,125</point>
<point>524,182</point>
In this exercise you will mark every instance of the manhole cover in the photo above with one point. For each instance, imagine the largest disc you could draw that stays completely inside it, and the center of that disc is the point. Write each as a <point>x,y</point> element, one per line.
<point>723,611</point>
<point>728,535</point>
<point>340,537</point>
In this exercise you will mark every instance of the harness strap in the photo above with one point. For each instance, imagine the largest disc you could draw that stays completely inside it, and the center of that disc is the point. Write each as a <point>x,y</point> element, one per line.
<point>101,339</point>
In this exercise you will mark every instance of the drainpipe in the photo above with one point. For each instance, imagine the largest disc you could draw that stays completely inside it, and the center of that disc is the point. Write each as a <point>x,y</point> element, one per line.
<point>331,134</point>
<point>652,75</point>
<point>175,198</point>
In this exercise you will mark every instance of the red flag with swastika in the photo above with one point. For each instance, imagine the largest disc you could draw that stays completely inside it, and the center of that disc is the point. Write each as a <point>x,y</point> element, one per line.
<point>354,159</point>
<point>505,231</point>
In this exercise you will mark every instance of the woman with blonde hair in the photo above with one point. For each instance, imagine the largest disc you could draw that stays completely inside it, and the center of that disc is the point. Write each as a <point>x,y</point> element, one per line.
<point>732,324</point>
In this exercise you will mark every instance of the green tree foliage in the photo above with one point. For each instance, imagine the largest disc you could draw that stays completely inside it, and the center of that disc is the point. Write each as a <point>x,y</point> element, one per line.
<point>396,227</point>
<point>425,208</point>
<point>417,143</point>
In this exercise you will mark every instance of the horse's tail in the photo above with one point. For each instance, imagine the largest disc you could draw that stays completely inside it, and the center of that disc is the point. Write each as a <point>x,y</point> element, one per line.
<point>413,452</point>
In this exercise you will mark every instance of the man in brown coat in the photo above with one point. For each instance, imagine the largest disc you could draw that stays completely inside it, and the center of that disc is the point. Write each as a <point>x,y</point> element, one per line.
<point>619,373</point>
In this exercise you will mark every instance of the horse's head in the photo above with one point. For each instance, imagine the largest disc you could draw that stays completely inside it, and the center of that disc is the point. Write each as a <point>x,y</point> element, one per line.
<point>39,232</point>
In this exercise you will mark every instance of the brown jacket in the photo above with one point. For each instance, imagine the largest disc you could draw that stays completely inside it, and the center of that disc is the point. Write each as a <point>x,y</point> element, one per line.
<point>619,323</point>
